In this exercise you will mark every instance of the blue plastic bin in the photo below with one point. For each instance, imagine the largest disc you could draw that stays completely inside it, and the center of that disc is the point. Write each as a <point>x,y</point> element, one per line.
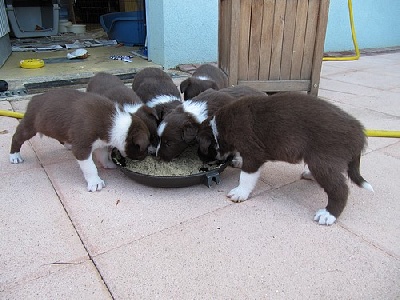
<point>127,28</point>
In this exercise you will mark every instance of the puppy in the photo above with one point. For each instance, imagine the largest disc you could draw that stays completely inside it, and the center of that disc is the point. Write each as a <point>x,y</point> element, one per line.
<point>151,83</point>
<point>206,150</point>
<point>179,128</point>
<point>205,77</point>
<point>89,123</point>
<point>112,87</point>
<point>292,127</point>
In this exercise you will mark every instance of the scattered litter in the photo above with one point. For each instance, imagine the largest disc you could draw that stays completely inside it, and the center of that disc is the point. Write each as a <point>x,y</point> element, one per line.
<point>125,58</point>
<point>4,131</point>
<point>12,93</point>
<point>141,53</point>
<point>78,53</point>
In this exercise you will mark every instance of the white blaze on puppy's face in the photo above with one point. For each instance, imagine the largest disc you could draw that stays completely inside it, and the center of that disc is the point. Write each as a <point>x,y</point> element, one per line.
<point>160,131</point>
<point>197,109</point>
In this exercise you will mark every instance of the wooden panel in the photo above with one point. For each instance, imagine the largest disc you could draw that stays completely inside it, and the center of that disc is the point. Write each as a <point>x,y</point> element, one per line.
<point>298,43</point>
<point>255,39</point>
<point>234,42</point>
<point>309,40</point>
<point>278,85</point>
<point>224,26</point>
<point>266,39</point>
<point>277,39</point>
<point>288,37</point>
<point>245,18</point>
<point>319,46</point>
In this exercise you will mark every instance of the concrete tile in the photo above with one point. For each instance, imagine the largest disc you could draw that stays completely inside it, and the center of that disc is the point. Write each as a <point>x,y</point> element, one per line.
<point>374,216</point>
<point>37,235</point>
<point>74,281</point>
<point>260,249</point>
<point>20,106</point>
<point>125,211</point>
<point>370,78</point>
<point>50,151</point>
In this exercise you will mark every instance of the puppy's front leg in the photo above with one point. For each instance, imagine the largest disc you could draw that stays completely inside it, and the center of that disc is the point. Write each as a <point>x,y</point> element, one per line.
<point>95,183</point>
<point>247,182</point>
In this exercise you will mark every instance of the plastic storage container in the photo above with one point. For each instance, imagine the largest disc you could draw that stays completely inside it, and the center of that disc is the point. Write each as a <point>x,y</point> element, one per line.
<point>127,28</point>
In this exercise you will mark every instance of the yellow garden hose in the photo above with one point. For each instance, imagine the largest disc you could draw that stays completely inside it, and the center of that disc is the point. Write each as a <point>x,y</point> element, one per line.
<point>12,114</point>
<point>382,133</point>
<point>353,35</point>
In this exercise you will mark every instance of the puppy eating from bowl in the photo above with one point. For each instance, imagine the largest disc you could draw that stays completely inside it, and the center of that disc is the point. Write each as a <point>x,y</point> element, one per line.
<point>291,127</point>
<point>205,77</point>
<point>113,88</point>
<point>89,123</point>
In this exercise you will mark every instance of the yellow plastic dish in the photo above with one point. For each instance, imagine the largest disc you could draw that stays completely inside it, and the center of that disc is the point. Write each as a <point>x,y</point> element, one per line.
<point>32,63</point>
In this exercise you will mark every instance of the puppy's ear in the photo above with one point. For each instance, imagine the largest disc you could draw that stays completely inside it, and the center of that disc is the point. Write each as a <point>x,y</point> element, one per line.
<point>184,85</point>
<point>142,142</point>
<point>189,132</point>
<point>151,111</point>
<point>204,144</point>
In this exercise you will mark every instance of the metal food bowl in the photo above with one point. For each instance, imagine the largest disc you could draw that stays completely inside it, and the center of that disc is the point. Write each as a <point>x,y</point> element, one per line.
<point>206,177</point>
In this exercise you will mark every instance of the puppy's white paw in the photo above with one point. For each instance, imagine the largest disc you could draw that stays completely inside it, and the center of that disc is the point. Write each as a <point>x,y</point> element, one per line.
<point>95,184</point>
<point>323,217</point>
<point>16,158</point>
<point>239,194</point>
<point>307,174</point>
<point>67,146</point>
<point>237,161</point>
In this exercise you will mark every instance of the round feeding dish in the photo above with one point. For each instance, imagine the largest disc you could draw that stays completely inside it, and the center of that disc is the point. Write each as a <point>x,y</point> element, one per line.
<point>206,175</point>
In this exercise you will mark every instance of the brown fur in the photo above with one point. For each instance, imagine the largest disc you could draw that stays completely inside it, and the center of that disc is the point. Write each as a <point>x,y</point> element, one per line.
<point>110,86</point>
<point>292,127</point>
<point>152,82</point>
<point>79,119</point>
<point>193,86</point>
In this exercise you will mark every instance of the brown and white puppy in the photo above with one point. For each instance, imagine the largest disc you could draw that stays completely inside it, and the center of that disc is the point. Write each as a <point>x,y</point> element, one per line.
<point>292,127</point>
<point>205,77</point>
<point>179,128</point>
<point>151,83</point>
<point>112,87</point>
<point>89,123</point>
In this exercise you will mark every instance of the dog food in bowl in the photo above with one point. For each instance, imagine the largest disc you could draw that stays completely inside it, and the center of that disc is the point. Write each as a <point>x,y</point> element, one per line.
<point>185,170</point>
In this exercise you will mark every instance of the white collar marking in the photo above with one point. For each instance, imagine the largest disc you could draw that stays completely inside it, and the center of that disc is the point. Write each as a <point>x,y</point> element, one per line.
<point>198,109</point>
<point>122,120</point>
<point>161,99</point>
<point>132,108</point>
<point>202,77</point>
<point>214,129</point>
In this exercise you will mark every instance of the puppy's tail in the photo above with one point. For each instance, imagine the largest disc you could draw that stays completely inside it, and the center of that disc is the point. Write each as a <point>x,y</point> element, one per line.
<point>355,176</point>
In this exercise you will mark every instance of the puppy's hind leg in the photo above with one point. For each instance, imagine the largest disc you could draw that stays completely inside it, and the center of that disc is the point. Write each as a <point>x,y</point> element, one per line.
<point>23,133</point>
<point>331,179</point>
